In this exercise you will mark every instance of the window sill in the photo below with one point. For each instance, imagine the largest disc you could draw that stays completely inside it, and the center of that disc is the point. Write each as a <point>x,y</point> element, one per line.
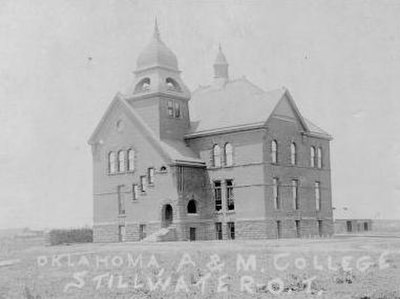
<point>229,166</point>
<point>193,214</point>
<point>121,215</point>
<point>120,173</point>
<point>214,167</point>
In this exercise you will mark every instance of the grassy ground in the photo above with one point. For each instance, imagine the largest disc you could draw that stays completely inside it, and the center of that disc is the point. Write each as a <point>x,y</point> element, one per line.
<point>342,267</point>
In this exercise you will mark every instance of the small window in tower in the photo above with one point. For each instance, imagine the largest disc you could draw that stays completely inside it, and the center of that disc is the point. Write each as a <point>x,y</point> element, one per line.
<point>143,85</point>
<point>170,108</point>
<point>177,109</point>
<point>172,84</point>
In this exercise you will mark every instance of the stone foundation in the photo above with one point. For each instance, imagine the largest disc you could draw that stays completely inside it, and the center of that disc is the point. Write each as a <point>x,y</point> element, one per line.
<point>205,230</point>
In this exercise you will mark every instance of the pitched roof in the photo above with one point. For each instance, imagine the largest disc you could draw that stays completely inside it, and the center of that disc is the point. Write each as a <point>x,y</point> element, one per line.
<point>175,151</point>
<point>236,104</point>
<point>316,130</point>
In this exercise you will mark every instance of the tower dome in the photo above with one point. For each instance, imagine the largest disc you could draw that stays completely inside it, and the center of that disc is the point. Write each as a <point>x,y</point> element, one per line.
<point>156,54</point>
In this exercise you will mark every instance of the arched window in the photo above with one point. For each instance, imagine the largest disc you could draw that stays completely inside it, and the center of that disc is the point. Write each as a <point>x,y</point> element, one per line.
<point>228,154</point>
<point>121,161</point>
<point>192,207</point>
<point>172,84</point>
<point>293,155</point>
<point>319,157</point>
<point>143,85</point>
<point>312,156</point>
<point>111,162</point>
<point>274,151</point>
<point>131,160</point>
<point>216,156</point>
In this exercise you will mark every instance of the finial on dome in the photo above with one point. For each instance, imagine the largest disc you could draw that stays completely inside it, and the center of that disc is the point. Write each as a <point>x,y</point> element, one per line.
<point>156,31</point>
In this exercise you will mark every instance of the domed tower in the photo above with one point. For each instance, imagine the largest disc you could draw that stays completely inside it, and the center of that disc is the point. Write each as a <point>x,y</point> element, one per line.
<point>158,92</point>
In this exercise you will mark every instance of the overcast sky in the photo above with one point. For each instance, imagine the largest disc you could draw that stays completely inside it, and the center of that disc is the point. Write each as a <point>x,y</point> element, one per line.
<point>61,63</point>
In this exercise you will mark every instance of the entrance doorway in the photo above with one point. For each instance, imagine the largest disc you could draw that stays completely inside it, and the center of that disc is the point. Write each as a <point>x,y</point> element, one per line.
<point>192,234</point>
<point>167,215</point>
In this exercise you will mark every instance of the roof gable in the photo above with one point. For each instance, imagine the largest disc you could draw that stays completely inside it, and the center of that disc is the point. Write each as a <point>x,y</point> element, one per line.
<point>286,109</point>
<point>172,152</point>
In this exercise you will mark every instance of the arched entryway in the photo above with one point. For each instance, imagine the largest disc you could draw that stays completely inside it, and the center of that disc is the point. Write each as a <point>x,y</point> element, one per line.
<point>167,215</point>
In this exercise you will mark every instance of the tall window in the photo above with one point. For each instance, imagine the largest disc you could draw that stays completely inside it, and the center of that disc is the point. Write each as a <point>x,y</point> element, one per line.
<point>131,160</point>
<point>312,156</point>
<point>228,154</point>
<point>174,109</point>
<point>121,201</point>
<point>177,110</point>
<point>274,151</point>
<point>231,230</point>
<point>319,157</point>
<point>216,156</point>
<point>275,187</point>
<point>150,175</point>
<point>121,161</point>
<point>170,108</point>
<point>111,162</point>
<point>218,230</point>
<point>317,187</point>
<point>135,192</point>
<point>295,194</point>
<point>217,195</point>
<point>143,183</point>
<point>293,155</point>
<point>229,195</point>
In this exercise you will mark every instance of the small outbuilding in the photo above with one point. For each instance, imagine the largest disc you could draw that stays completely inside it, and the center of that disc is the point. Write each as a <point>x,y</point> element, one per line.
<point>346,222</point>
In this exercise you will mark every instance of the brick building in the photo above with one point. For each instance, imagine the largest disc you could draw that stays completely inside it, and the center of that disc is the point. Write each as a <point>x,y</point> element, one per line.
<point>228,161</point>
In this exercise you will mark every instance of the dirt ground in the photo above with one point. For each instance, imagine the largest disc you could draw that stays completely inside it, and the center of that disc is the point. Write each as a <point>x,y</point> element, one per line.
<point>341,267</point>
